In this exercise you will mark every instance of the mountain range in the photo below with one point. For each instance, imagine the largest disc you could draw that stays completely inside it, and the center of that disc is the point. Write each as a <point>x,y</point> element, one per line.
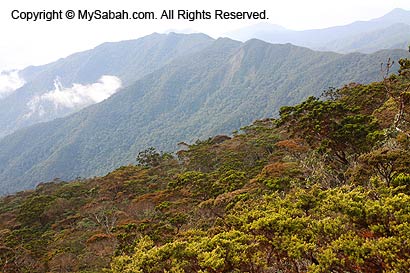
<point>387,32</point>
<point>93,111</point>
<point>70,84</point>
<point>214,90</point>
<point>288,159</point>
<point>43,93</point>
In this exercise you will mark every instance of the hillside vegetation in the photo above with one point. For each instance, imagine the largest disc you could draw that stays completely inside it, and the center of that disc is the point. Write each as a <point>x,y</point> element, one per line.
<point>219,89</point>
<point>323,188</point>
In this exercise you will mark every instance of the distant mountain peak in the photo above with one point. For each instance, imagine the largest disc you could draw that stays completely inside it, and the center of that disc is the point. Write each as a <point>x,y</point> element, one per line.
<point>399,11</point>
<point>183,31</point>
<point>223,40</point>
<point>254,42</point>
<point>397,15</point>
<point>342,39</point>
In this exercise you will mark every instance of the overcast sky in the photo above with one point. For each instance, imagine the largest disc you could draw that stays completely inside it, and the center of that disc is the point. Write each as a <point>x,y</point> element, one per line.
<point>33,43</point>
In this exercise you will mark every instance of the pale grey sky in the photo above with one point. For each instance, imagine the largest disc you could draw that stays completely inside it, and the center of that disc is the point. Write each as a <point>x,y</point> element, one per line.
<point>32,43</point>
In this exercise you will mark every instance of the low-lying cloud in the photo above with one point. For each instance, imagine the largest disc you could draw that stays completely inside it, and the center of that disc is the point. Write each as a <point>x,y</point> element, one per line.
<point>75,97</point>
<point>82,95</point>
<point>10,81</point>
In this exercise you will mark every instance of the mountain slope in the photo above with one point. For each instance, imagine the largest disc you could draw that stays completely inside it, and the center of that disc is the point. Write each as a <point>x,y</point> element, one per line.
<point>362,36</point>
<point>273,198</point>
<point>40,100</point>
<point>221,88</point>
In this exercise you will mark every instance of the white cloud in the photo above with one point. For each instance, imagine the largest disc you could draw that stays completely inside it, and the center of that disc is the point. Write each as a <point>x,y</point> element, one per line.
<point>9,82</point>
<point>35,107</point>
<point>82,95</point>
<point>75,97</point>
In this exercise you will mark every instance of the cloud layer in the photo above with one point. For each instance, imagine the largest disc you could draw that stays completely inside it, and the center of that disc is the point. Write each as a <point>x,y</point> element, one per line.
<point>75,97</point>
<point>82,95</point>
<point>9,82</point>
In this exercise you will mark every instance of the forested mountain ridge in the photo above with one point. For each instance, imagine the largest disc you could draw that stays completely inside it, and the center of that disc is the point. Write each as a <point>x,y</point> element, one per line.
<point>325,187</point>
<point>214,91</point>
<point>80,77</point>
<point>58,89</point>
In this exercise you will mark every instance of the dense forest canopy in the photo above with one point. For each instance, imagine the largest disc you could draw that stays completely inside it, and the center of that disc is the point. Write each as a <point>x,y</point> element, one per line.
<point>323,188</point>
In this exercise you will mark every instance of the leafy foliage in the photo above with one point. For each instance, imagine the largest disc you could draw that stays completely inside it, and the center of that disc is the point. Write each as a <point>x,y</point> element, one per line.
<point>275,197</point>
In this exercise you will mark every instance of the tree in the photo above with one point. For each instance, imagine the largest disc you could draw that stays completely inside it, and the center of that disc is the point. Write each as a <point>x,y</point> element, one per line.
<point>332,127</point>
<point>386,163</point>
<point>151,157</point>
<point>398,89</point>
